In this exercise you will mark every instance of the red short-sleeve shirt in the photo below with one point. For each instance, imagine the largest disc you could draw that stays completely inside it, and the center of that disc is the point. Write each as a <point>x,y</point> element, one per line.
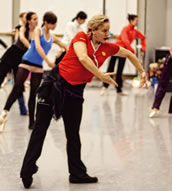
<point>72,70</point>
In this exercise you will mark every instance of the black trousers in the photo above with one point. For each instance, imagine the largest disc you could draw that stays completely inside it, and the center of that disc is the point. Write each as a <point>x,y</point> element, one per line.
<point>10,61</point>
<point>71,114</point>
<point>121,64</point>
<point>17,90</point>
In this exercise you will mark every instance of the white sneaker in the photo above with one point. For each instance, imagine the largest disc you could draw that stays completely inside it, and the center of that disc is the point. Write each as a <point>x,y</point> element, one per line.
<point>3,120</point>
<point>154,113</point>
<point>103,91</point>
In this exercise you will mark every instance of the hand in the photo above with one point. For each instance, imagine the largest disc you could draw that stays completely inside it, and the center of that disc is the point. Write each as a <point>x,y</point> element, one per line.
<point>143,80</point>
<point>107,78</point>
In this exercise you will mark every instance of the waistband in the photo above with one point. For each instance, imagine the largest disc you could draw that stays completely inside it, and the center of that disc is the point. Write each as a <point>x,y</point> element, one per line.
<point>31,64</point>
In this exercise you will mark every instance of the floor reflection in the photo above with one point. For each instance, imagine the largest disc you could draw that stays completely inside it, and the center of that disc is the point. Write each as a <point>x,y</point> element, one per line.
<point>120,144</point>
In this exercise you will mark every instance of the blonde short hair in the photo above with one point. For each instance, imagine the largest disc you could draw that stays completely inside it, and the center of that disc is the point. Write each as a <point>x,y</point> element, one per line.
<point>95,22</point>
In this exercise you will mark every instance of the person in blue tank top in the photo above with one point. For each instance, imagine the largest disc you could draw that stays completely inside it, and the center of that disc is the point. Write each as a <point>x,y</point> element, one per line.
<point>32,62</point>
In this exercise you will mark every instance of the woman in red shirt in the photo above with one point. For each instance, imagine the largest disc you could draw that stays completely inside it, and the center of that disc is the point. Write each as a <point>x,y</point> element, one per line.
<point>125,39</point>
<point>61,94</point>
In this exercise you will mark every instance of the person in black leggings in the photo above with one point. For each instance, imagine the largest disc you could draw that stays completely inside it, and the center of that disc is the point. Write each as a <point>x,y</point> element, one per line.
<point>12,57</point>
<point>32,62</point>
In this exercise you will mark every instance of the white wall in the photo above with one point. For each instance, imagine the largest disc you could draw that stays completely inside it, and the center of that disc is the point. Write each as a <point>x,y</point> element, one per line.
<point>66,10</point>
<point>5,15</point>
<point>168,22</point>
<point>155,27</point>
<point>117,11</point>
<point>5,22</point>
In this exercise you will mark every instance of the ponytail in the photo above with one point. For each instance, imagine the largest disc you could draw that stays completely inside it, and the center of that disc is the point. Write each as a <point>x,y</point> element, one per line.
<point>73,19</point>
<point>28,18</point>
<point>27,30</point>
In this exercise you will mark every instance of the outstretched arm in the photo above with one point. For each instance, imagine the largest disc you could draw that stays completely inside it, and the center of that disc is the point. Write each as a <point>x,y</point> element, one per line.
<point>134,60</point>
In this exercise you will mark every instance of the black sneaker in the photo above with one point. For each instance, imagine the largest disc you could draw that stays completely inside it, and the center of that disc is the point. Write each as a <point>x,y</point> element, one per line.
<point>28,180</point>
<point>82,179</point>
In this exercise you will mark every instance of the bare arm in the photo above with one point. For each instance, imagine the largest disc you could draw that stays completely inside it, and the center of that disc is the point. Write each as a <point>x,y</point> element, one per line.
<point>23,38</point>
<point>81,52</point>
<point>134,60</point>
<point>37,34</point>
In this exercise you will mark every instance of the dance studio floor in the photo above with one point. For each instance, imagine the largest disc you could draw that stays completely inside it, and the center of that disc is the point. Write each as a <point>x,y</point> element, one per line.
<point>125,149</point>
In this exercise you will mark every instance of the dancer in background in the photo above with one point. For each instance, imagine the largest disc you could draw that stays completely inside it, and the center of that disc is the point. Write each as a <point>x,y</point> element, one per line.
<point>32,62</point>
<point>12,57</point>
<point>61,94</point>
<point>166,74</point>
<point>72,28</point>
<point>125,39</point>
<point>22,17</point>
<point>23,21</point>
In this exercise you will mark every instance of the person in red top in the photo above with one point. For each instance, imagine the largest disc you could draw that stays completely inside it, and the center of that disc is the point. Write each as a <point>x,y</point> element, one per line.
<point>125,39</point>
<point>61,95</point>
